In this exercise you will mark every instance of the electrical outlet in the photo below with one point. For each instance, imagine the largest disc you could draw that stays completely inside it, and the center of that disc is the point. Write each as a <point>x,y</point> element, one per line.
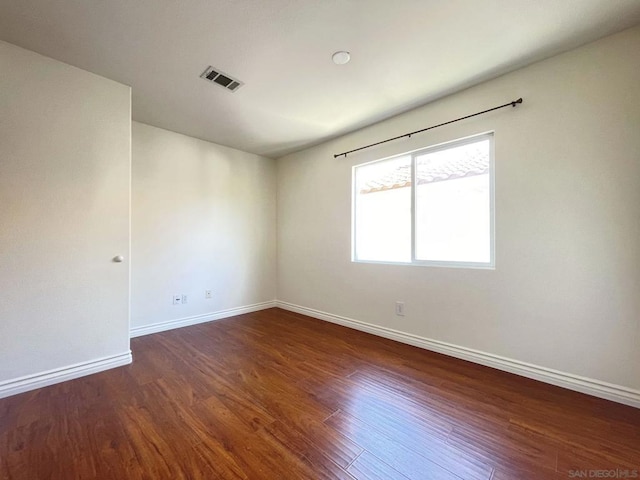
<point>208,294</point>
<point>400,309</point>
<point>177,299</point>
<point>184,298</point>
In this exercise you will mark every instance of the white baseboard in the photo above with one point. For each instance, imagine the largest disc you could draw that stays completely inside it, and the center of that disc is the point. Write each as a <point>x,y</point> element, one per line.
<point>577,383</point>
<point>44,379</point>
<point>207,317</point>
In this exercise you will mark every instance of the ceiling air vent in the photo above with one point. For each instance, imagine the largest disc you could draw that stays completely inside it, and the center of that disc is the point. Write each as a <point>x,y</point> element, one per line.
<point>216,76</point>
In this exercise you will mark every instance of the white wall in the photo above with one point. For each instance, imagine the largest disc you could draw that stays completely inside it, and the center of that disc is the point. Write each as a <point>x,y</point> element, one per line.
<point>203,218</point>
<point>565,292</point>
<point>64,214</point>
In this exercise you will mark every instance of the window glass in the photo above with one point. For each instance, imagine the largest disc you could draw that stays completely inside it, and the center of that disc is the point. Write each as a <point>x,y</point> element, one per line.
<point>383,210</point>
<point>453,204</point>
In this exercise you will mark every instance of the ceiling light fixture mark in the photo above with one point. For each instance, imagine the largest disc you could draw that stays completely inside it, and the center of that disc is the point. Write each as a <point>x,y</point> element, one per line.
<point>341,57</point>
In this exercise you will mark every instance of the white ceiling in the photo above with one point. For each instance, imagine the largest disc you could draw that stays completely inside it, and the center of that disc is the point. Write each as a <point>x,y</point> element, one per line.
<point>404,53</point>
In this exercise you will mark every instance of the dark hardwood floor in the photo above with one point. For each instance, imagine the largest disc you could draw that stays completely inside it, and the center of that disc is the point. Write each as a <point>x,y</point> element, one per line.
<point>276,395</point>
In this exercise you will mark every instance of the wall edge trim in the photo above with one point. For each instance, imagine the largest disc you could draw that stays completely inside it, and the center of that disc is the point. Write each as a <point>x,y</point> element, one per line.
<point>589,386</point>
<point>44,379</point>
<point>196,319</point>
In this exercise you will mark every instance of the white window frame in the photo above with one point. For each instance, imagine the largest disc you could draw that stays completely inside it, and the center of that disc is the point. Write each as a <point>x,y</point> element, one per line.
<point>415,153</point>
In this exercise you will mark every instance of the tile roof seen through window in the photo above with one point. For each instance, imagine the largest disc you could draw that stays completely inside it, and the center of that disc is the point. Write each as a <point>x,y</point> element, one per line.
<point>434,167</point>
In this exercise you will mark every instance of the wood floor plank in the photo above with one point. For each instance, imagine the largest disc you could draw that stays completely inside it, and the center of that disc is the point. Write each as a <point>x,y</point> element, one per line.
<point>369,467</point>
<point>317,439</point>
<point>574,459</point>
<point>411,462</point>
<point>528,473</point>
<point>506,447</point>
<point>257,454</point>
<point>275,394</point>
<point>328,455</point>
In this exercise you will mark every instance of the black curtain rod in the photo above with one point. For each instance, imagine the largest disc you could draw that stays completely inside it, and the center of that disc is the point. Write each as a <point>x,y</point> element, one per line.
<point>512,104</point>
